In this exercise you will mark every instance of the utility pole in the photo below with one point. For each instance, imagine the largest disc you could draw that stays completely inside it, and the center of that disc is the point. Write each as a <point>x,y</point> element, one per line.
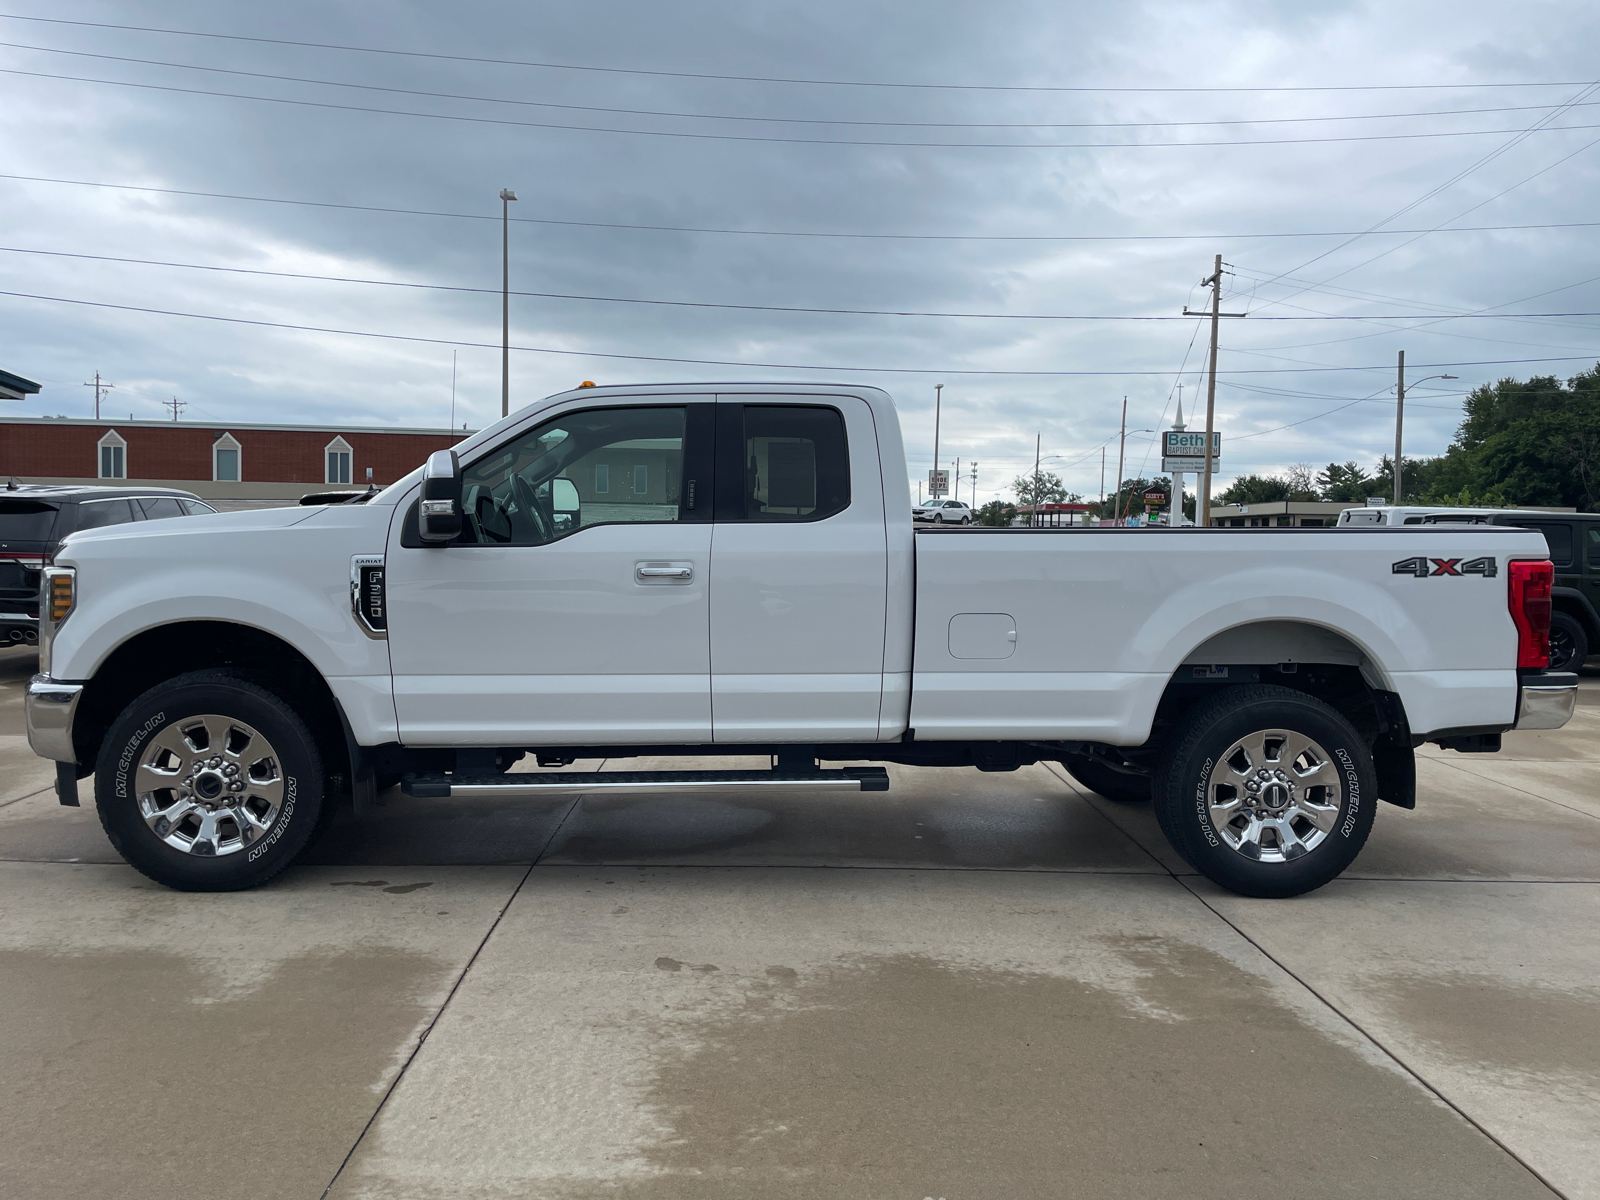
<point>1102,479</point>
<point>452,389</point>
<point>1033,517</point>
<point>974,486</point>
<point>1399,419</point>
<point>100,388</point>
<point>957,478</point>
<point>938,395</point>
<point>175,405</point>
<point>1203,505</point>
<point>506,196</point>
<point>1122,439</point>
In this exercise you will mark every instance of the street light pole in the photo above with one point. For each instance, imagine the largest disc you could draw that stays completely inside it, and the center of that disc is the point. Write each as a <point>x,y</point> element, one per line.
<point>938,394</point>
<point>1399,421</point>
<point>506,196</point>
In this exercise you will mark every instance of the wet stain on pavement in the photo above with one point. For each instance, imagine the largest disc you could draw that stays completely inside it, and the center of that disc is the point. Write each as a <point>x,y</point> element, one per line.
<point>905,1076</point>
<point>138,1074</point>
<point>1509,1027</point>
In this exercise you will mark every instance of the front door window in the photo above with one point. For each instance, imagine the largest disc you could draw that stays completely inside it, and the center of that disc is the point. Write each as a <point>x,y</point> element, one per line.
<point>563,477</point>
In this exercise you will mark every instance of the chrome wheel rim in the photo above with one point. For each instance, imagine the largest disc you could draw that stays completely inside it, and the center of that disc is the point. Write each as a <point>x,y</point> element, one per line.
<point>209,785</point>
<point>1275,796</point>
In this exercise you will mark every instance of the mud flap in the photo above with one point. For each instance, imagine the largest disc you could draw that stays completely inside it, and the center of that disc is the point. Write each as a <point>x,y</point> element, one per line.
<point>1392,755</point>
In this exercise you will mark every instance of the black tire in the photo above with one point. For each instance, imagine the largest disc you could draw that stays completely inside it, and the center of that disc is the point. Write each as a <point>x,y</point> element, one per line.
<point>938,518</point>
<point>1569,642</point>
<point>290,784</point>
<point>1109,782</point>
<point>1223,853</point>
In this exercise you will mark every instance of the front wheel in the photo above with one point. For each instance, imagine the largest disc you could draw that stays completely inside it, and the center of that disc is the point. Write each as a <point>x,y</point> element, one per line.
<point>938,518</point>
<point>1268,791</point>
<point>209,783</point>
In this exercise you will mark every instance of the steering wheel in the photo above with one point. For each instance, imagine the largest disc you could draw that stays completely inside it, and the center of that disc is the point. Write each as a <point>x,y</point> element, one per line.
<point>526,502</point>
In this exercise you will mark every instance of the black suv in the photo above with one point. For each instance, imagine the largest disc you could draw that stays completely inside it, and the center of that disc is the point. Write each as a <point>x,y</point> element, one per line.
<point>35,518</point>
<point>1574,541</point>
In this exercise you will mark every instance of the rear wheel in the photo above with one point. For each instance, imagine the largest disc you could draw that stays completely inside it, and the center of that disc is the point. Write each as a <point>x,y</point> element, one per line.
<point>1268,791</point>
<point>209,783</point>
<point>1109,782</point>
<point>1569,643</point>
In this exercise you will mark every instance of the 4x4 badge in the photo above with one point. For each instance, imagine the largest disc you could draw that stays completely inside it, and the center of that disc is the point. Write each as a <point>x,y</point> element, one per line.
<point>1422,568</point>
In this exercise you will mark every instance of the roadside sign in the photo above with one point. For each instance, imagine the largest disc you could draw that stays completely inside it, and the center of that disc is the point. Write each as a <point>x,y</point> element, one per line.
<point>938,483</point>
<point>1155,498</point>
<point>1183,450</point>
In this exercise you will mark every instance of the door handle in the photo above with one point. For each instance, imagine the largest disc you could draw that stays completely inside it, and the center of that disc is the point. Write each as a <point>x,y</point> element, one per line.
<point>645,572</point>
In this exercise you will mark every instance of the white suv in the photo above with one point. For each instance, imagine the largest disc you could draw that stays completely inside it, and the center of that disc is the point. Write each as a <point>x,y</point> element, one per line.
<point>942,512</point>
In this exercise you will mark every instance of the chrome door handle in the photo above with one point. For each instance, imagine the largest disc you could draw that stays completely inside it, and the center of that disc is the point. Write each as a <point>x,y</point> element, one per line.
<point>647,571</point>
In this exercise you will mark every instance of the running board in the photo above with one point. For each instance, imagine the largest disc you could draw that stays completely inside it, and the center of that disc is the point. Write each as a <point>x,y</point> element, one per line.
<point>568,783</point>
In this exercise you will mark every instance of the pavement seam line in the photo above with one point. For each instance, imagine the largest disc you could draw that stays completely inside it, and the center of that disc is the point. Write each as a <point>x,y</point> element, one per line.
<point>449,996</point>
<point>1513,787</point>
<point>29,796</point>
<point>1345,1017</point>
<point>1391,1055</point>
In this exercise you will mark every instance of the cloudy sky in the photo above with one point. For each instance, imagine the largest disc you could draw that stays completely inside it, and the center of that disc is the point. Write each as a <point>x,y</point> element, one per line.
<point>976,177</point>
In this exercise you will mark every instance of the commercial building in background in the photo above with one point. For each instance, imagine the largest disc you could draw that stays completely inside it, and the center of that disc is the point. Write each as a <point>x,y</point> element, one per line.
<point>235,465</point>
<point>1298,514</point>
<point>15,387</point>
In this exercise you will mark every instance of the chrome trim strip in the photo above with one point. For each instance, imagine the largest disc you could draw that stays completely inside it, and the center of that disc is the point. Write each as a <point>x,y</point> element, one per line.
<point>17,617</point>
<point>1546,707</point>
<point>49,709</point>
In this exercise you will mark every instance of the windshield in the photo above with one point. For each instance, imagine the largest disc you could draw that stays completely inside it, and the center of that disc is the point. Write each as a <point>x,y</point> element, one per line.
<point>26,520</point>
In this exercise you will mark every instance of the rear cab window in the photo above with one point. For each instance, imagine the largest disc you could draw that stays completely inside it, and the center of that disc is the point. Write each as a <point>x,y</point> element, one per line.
<point>781,462</point>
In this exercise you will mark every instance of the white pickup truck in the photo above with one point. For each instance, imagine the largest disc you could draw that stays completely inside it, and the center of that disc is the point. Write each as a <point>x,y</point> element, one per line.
<point>731,570</point>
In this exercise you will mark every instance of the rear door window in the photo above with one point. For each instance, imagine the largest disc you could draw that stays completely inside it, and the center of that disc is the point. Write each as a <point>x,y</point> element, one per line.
<point>1594,546</point>
<point>194,508</point>
<point>158,507</point>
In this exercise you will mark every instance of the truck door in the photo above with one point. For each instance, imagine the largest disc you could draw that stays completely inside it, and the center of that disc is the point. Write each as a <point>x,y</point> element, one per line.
<point>573,608</point>
<point>799,567</point>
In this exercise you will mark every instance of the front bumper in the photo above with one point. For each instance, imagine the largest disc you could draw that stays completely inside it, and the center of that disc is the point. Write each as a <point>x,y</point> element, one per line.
<point>1547,700</point>
<point>50,709</point>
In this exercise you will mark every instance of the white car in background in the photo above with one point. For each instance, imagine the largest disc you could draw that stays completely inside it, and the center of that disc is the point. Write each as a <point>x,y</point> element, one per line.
<point>942,512</point>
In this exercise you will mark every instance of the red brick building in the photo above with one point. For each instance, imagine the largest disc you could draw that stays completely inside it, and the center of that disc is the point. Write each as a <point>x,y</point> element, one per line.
<point>224,462</point>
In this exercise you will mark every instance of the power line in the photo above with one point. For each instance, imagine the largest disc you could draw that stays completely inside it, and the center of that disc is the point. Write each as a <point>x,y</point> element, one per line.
<point>1543,124</point>
<point>776,308</point>
<point>795,233</point>
<point>794,141</point>
<point>744,117</point>
<point>715,362</point>
<point>953,87</point>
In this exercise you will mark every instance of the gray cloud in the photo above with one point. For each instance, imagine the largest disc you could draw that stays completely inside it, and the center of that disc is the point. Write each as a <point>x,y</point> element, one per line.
<point>178,140</point>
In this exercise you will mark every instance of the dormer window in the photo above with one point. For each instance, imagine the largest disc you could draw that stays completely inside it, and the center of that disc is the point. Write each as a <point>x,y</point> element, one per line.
<point>336,461</point>
<point>113,451</point>
<point>226,460</point>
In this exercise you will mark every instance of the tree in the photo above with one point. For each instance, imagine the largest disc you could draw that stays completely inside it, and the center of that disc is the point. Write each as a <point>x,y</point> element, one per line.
<point>1042,487</point>
<point>1254,489</point>
<point>1533,442</point>
<point>997,513</point>
<point>1347,482</point>
<point>1301,480</point>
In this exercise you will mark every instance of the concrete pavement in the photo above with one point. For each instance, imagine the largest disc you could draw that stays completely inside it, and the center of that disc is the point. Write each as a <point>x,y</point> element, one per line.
<point>973,985</point>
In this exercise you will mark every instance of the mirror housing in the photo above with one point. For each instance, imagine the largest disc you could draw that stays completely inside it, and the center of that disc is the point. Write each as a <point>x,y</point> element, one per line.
<point>439,511</point>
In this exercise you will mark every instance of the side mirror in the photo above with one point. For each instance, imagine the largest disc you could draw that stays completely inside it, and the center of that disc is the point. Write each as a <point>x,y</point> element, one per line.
<point>439,517</point>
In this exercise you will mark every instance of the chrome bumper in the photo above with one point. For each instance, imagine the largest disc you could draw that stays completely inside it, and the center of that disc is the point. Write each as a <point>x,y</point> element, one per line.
<point>1547,701</point>
<point>50,708</point>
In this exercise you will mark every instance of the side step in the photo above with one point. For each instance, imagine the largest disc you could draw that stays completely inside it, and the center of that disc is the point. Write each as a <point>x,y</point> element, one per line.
<point>566,783</point>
